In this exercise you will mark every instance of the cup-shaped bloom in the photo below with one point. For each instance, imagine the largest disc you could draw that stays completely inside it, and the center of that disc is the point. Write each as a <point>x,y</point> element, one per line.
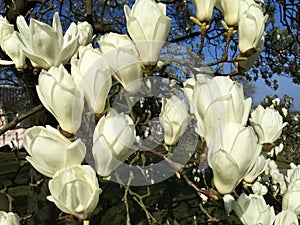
<point>60,96</point>
<point>231,155</point>
<point>293,174</point>
<point>247,62</point>
<point>286,217</point>
<point>9,218</point>
<point>253,209</point>
<point>259,189</point>
<point>251,28</point>
<point>49,151</point>
<point>230,10</point>
<point>291,198</point>
<point>6,29</point>
<point>188,88</point>
<point>148,26</point>
<point>219,101</point>
<point>113,140</point>
<point>258,167</point>
<point>278,181</point>
<point>75,190</point>
<point>204,10</point>
<point>174,118</point>
<point>44,45</point>
<point>267,124</point>
<point>123,58</point>
<point>92,76</point>
<point>85,33</point>
<point>10,47</point>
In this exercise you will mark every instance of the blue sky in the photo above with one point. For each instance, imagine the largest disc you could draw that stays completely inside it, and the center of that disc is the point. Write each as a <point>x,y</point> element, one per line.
<point>285,87</point>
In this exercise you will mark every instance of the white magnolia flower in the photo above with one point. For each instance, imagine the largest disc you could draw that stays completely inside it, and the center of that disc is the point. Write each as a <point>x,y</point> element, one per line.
<point>44,45</point>
<point>284,111</point>
<point>60,96</point>
<point>11,48</point>
<point>267,123</point>
<point>253,209</point>
<point>293,174</point>
<point>85,33</point>
<point>231,155</point>
<point>49,151</point>
<point>92,76</point>
<point>113,140</point>
<point>278,181</point>
<point>174,118</point>
<point>6,29</point>
<point>123,58</point>
<point>219,101</point>
<point>247,62</point>
<point>204,9</point>
<point>75,190</point>
<point>188,88</point>
<point>251,28</point>
<point>276,101</point>
<point>230,10</point>
<point>291,198</point>
<point>286,217</point>
<point>228,200</point>
<point>9,218</point>
<point>259,189</point>
<point>258,167</point>
<point>148,26</point>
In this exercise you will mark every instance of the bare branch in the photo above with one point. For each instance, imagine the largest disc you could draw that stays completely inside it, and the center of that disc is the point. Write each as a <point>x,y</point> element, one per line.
<point>18,119</point>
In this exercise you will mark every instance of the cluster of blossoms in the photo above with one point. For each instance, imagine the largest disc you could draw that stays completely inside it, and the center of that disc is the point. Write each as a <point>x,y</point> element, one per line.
<point>245,15</point>
<point>234,148</point>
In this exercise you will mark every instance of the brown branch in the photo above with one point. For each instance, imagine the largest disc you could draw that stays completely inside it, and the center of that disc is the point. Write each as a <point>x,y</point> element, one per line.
<point>178,167</point>
<point>18,119</point>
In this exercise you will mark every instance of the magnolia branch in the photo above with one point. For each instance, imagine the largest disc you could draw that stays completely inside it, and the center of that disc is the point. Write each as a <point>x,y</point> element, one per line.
<point>20,118</point>
<point>178,167</point>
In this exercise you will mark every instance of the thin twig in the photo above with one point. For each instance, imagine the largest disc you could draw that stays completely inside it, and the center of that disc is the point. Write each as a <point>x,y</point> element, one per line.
<point>18,119</point>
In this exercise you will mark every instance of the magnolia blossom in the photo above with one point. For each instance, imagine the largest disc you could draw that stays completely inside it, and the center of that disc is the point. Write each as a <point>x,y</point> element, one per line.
<point>258,167</point>
<point>75,190</point>
<point>259,189</point>
<point>278,181</point>
<point>204,10</point>
<point>113,140</point>
<point>267,123</point>
<point>286,217</point>
<point>148,26</point>
<point>174,119</point>
<point>231,155</point>
<point>10,47</point>
<point>85,33</point>
<point>49,151</point>
<point>123,58</point>
<point>293,174</point>
<point>188,88</point>
<point>228,199</point>
<point>92,76</point>
<point>230,10</point>
<point>58,93</point>
<point>219,101</point>
<point>245,63</point>
<point>6,29</point>
<point>253,209</point>
<point>44,45</point>
<point>9,218</point>
<point>291,198</point>
<point>251,29</point>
